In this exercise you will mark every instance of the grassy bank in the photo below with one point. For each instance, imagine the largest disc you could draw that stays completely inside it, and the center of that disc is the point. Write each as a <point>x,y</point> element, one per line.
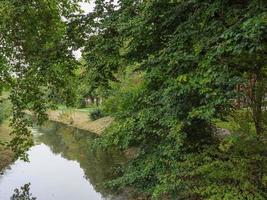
<point>6,155</point>
<point>79,118</point>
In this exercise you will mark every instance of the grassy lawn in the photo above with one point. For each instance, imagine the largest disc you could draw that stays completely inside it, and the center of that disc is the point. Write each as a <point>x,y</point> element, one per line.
<point>84,110</point>
<point>87,110</point>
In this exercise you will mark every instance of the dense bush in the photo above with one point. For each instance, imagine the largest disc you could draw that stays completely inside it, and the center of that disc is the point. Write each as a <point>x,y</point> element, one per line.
<point>96,113</point>
<point>192,55</point>
<point>187,161</point>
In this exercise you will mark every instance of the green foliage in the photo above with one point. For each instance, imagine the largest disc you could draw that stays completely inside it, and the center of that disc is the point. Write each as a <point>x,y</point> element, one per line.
<point>36,59</point>
<point>167,68</point>
<point>23,193</point>
<point>96,113</point>
<point>192,55</point>
<point>239,121</point>
<point>122,94</point>
<point>5,110</point>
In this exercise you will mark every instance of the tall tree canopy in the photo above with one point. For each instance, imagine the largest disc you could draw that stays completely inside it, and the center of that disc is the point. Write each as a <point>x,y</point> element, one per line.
<point>35,57</point>
<point>192,55</point>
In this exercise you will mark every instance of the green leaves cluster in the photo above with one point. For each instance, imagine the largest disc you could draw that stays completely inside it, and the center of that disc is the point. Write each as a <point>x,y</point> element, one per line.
<point>192,55</point>
<point>35,58</point>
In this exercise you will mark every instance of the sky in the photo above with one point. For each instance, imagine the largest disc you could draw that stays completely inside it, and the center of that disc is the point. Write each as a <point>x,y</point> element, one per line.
<point>87,7</point>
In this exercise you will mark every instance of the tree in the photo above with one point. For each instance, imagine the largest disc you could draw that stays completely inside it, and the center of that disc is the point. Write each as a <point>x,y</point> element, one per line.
<point>193,54</point>
<point>35,56</point>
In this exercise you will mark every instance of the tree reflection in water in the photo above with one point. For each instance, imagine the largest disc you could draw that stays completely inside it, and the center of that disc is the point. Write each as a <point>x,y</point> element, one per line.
<point>99,165</point>
<point>23,193</point>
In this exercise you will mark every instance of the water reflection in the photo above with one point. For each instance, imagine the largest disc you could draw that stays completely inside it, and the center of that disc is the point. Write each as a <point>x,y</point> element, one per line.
<point>62,167</point>
<point>23,193</point>
<point>74,144</point>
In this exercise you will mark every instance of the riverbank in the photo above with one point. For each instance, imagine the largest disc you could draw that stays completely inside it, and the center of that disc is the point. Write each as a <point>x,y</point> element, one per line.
<point>6,155</point>
<point>79,119</point>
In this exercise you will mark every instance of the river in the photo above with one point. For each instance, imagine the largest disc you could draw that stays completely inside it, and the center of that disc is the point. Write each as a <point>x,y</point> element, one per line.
<point>62,167</point>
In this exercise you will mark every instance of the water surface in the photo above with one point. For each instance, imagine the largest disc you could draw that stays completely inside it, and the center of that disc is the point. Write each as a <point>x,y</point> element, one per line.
<point>62,167</point>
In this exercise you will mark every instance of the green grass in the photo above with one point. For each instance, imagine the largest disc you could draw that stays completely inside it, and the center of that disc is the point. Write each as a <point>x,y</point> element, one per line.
<point>229,125</point>
<point>240,121</point>
<point>85,110</point>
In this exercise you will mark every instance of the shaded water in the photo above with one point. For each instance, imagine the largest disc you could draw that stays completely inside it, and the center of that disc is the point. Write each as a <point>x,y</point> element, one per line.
<point>62,167</point>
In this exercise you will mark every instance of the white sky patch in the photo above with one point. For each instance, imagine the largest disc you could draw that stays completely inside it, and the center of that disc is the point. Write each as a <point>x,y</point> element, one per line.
<point>77,54</point>
<point>87,7</point>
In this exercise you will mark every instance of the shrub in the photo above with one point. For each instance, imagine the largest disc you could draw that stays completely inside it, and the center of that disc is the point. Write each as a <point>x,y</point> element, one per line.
<point>96,114</point>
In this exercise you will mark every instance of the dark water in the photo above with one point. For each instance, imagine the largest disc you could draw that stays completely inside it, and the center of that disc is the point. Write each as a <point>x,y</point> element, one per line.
<point>62,167</point>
